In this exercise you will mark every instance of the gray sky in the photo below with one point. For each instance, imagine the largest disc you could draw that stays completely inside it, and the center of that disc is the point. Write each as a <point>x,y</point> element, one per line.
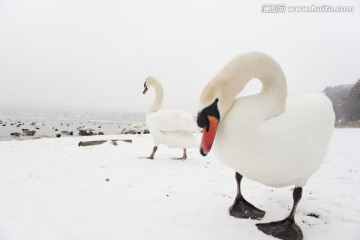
<point>95,55</point>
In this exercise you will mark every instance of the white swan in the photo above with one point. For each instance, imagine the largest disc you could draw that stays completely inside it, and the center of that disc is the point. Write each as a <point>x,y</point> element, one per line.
<point>264,137</point>
<point>172,128</point>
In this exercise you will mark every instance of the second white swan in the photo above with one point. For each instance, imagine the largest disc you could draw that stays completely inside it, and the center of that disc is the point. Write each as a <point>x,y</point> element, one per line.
<point>171,128</point>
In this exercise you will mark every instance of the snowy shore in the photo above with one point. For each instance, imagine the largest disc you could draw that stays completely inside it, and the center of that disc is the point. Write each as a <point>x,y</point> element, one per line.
<point>52,189</point>
<point>34,125</point>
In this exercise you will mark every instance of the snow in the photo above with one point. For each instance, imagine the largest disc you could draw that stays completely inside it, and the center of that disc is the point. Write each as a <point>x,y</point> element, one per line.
<point>53,189</point>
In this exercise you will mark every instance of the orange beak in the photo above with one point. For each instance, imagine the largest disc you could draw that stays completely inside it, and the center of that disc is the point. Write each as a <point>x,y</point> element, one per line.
<point>208,136</point>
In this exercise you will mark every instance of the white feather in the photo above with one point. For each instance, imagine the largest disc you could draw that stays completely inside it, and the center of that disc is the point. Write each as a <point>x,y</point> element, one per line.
<point>172,128</point>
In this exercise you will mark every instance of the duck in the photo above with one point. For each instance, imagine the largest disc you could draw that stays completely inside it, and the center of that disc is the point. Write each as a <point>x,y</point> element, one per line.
<point>266,137</point>
<point>169,127</point>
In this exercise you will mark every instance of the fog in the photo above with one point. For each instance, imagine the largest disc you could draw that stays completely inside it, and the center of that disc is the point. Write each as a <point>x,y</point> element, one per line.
<point>95,55</point>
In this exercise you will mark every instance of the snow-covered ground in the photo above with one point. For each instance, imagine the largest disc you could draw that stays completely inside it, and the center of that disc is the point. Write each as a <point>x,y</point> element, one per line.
<point>53,189</point>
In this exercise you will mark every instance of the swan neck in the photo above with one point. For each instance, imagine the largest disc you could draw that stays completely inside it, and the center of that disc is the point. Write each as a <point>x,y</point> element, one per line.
<point>274,94</point>
<point>272,98</point>
<point>159,98</point>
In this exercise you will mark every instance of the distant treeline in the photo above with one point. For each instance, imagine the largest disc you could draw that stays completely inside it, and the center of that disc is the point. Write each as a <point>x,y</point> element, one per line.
<point>346,103</point>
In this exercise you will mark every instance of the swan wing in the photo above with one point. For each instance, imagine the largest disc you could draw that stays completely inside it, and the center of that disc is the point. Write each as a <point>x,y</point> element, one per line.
<point>171,121</point>
<point>283,150</point>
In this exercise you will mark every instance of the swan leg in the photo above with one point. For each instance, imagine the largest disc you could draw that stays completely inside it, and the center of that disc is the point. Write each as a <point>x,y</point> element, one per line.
<point>285,229</point>
<point>153,153</point>
<point>242,208</point>
<point>184,157</point>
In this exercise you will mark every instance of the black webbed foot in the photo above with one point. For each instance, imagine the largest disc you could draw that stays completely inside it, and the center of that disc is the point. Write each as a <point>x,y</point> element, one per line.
<point>243,209</point>
<point>285,229</point>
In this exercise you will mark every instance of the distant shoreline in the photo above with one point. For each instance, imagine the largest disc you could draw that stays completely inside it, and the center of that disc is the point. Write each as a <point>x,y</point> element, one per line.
<point>22,125</point>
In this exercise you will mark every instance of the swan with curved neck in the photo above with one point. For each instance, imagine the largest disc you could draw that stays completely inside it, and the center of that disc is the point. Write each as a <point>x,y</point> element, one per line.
<point>159,93</point>
<point>171,128</point>
<point>266,137</point>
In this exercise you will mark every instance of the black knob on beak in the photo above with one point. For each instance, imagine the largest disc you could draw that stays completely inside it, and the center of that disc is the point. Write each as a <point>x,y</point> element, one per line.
<point>202,120</point>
